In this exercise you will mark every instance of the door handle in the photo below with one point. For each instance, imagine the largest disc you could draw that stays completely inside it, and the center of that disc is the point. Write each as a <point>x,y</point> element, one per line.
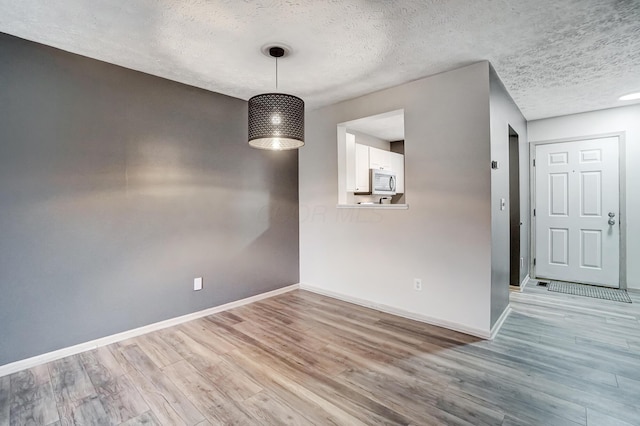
<point>611,216</point>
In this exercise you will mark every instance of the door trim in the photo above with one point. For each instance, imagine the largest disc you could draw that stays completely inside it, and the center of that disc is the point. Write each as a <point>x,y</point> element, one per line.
<point>622,183</point>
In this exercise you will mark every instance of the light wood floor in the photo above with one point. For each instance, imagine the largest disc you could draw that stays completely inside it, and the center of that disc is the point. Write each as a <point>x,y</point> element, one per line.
<point>302,359</point>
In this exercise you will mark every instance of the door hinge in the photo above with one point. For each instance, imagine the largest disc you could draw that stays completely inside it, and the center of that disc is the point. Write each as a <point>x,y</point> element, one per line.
<point>534,162</point>
<point>534,212</point>
<point>534,261</point>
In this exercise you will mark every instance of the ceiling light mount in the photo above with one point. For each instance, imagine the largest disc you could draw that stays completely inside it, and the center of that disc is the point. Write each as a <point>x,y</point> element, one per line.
<point>276,120</point>
<point>276,50</point>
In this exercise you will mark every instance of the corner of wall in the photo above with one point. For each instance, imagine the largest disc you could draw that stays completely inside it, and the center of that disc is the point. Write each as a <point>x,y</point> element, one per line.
<point>374,255</point>
<point>505,114</point>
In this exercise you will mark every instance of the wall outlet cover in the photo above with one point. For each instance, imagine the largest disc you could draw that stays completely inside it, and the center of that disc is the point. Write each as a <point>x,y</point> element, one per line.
<point>417,284</point>
<point>197,284</point>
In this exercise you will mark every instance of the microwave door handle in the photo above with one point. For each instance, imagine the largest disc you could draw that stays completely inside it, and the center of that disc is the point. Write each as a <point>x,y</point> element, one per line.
<point>392,183</point>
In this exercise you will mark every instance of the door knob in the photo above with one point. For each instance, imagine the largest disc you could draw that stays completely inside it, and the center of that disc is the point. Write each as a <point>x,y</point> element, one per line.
<point>612,214</point>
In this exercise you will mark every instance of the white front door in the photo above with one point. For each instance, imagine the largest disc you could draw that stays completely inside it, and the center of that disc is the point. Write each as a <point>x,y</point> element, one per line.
<point>577,211</point>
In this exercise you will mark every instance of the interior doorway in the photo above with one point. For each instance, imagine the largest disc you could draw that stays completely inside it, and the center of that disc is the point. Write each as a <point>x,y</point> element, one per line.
<point>514,208</point>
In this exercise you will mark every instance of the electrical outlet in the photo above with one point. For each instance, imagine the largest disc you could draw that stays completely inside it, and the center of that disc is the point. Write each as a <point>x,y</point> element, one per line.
<point>197,284</point>
<point>417,284</point>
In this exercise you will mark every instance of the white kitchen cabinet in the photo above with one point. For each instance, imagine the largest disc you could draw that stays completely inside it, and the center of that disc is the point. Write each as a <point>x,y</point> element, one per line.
<point>361,158</point>
<point>387,160</point>
<point>379,159</point>
<point>361,168</point>
<point>397,165</point>
<point>350,161</point>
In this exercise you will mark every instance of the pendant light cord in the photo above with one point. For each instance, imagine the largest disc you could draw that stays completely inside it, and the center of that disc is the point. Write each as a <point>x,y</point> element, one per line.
<point>276,73</point>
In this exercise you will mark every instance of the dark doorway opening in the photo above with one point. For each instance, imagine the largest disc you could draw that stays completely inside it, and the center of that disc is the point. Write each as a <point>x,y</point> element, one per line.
<point>514,208</point>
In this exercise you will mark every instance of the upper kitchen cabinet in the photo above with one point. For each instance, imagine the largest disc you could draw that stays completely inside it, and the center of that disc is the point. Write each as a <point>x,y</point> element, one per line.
<point>357,165</point>
<point>396,164</point>
<point>371,152</point>
<point>378,159</point>
<point>361,168</point>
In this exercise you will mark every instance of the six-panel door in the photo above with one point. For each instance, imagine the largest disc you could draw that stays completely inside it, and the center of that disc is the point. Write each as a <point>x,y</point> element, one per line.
<point>577,211</point>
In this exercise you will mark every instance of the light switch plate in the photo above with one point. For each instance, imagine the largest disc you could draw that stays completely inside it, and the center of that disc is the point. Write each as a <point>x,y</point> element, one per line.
<point>197,284</point>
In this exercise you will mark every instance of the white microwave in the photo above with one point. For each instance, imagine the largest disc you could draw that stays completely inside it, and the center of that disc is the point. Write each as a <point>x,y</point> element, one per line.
<point>383,182</point>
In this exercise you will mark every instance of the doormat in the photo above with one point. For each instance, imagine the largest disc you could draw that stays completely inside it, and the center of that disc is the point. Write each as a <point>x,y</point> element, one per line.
<point>590,291</point>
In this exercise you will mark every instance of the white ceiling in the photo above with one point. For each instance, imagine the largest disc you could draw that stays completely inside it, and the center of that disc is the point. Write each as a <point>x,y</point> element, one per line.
<point>554,56</point>
<point>388,126</point>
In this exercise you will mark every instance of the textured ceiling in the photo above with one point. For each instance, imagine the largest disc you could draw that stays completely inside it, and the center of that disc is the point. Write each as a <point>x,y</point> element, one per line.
<point>554,56</point>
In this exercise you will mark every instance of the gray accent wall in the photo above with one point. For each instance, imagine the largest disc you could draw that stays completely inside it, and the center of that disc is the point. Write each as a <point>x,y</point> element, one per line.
<point>505,113</point>
<point>117,189</point>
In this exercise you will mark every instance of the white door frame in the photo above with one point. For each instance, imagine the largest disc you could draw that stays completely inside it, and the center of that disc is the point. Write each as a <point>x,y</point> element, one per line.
<point>622,219</point>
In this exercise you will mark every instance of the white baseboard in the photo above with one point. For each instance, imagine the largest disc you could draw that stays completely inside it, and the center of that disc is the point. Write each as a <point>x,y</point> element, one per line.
<point>496,327</point>
<point>103,341</point>
<point>525,282</point>
<point>400,312</point>
<point>522,285</point>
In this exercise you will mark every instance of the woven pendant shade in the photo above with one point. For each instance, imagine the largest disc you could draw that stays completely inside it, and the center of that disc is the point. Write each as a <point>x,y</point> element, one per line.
<point>276,121</point>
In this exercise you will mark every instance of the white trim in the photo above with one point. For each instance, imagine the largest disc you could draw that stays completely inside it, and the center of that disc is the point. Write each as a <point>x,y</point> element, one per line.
<point>622,207</point>
<point>532,207</point>
<point>107,340</point>
<point>525,282</point>
<point>496,327</point>
<point>374,206</point>
<point>483,334</point>
<point>520,288</point>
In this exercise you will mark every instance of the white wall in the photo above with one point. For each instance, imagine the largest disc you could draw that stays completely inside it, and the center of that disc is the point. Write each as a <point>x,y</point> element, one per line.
<point>624,119</point>
<point>445,235</point>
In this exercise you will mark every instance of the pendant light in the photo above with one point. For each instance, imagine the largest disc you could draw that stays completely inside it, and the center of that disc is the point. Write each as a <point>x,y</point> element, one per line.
<point>276,120</point>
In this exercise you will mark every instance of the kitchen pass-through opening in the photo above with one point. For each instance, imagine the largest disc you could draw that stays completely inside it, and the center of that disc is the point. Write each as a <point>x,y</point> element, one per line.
<point>371,161</point>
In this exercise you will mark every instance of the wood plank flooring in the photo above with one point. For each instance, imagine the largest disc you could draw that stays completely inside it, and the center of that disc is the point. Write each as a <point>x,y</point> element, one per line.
<point>304,359</point>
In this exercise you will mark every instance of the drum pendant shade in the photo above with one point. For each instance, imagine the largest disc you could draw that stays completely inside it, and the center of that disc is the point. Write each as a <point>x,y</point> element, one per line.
<point>276,120</point>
